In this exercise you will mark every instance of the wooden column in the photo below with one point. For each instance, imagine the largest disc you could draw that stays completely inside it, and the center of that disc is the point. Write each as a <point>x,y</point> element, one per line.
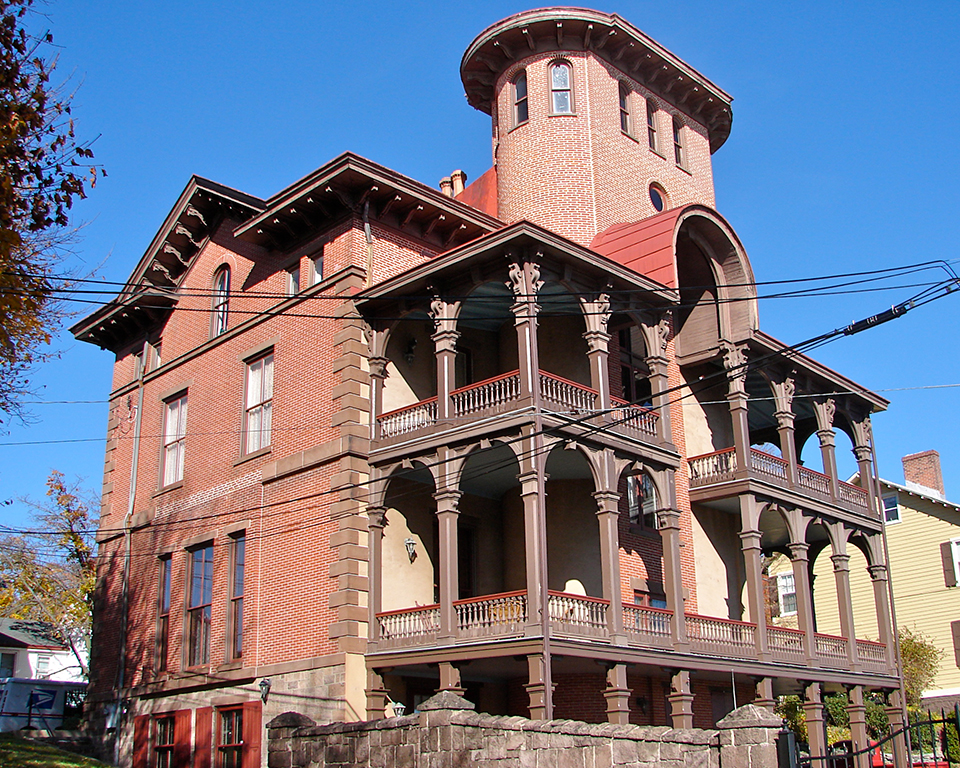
<point>881,599</point>
<point>765,698</point>
<point>857,712</point>
<point>750,538</point>
<point>450,679</point>
<point>617,695</point>
<point>656,336</point>
<point>378,374</point>
<point>376,521</point>
<point>449,560</point>
<point>816,735</point>
<point>841,574</point>
<point>537,686</point>
<point>525,282</point>
<point>801,579</point>
<point>735,362</point>
<point>894,710</point>
<point>863,437</point>
<point>681,699</point>
<point>783,392</point>
<point>609,519</point>
<point>825,409</point>
<point>377,695</point>
<point>532,520</point>
<point>596,315</point>
<point>445,337</point>
<point>673,576</point>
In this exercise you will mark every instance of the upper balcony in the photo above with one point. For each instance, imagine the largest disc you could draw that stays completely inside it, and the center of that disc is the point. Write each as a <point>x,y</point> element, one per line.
<point>717,475</point>
<point>503,395</point>
<point>504,616</point>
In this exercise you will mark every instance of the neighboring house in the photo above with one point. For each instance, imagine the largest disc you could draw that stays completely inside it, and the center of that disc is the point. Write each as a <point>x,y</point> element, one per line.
<point>32,649</point>
<point>923,536</point>
<point>495,439</point>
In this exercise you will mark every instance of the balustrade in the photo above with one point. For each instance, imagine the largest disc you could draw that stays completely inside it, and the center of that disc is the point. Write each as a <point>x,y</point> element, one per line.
<point>634,418</point>
<point>785,644</point>
<point>832,651</point>
<point>492,615</point>
<point>409,626</point>
<point>648,626</point>
<point>721,636</point>
<point>487,395</point>
<point>713,467</point>
<point>577,615</point>
<point>567,394</point>
<point>817,482</point>
<point>766,464</point>
<point>408,419</point>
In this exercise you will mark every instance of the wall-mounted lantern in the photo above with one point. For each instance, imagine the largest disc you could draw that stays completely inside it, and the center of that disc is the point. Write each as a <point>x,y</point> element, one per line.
<point>411,546</point>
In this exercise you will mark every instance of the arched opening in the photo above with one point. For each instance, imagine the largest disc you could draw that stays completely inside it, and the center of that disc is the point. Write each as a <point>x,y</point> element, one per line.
<point>560,344</point>
<point>487,346</point>
<point>640,545</point>
<point>627,369</point>
<point>409,548</point>
<point>412,367</point>
<point>573,535</point>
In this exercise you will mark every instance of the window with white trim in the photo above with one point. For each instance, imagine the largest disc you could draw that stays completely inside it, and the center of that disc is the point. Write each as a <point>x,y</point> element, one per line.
<point>43,664</point>
<point>652,124</point>
<point>230,738</point>
<point>317,266</point>
<point>642,501</point>
<point>679,153</point>
<point>293,280</point>
<point>561,88</point>
<point>258,416</point>
<point>787,594</point>
<point>8,664</point>
<point>198,611</point>
<point>521,107</point>
<point>174,438</point>
<point>221,300</point>
<point>891,509</point>
<point>624,108</point>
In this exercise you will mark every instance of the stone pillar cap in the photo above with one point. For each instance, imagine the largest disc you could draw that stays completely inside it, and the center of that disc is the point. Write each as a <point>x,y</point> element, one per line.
<point>749,716</point>
<point>447,700</point>
<point>291,720</point>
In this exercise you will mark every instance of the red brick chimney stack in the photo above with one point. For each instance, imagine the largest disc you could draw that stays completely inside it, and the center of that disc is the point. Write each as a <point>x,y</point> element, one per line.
<point>924,469</point>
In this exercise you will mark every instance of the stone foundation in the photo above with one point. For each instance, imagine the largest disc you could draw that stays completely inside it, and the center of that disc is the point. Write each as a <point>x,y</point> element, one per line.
<point>446,732</point>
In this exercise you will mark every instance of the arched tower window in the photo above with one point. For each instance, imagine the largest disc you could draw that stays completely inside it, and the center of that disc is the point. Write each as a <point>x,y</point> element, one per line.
<point>521,109</point>
<point>221,300</point>
<point>678,153</point>
<point>561,88</point>
<point>624,108</point>
<point>652,124</point>
<point>642,503</point>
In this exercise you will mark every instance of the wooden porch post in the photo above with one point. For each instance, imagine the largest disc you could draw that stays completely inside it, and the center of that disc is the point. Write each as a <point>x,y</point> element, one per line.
<point>447,519</point>
<point>878,575</point>
<point>609,518</point>
<point>673,575</point>
<point>801,579</point>
<point>617,695</point>
<point>735,361</point>
<point>857,712</point>
<point>445,337</point>
<point>596,315</point>
<point>376,521</point>
<point>783,392</point>
<point>681,699</point>
<point>813,709</point>
<point>825,408</point>
<point>841,574</point>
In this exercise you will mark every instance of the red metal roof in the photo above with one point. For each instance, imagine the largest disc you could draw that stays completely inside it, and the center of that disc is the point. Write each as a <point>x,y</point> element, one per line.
<point>644,246</point>
<point>482,193</point>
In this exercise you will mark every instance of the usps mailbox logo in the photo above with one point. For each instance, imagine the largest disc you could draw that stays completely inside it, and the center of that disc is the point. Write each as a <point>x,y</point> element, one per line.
<point>42,698</point>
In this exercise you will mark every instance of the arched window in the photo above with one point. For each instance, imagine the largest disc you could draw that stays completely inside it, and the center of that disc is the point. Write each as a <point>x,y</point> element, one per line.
<point>561,88</point>
<point>678,152</point>
<point>642,501</point>
<point>652,124</point>
<point>221,300</point>
<point>624,108</point>
<point>521,109</point>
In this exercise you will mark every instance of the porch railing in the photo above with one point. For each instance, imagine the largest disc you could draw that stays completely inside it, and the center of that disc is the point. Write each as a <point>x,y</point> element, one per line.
<point>817,482</point>
<point>872,655</point>
<point>648,626</point>
<point>766,464</point>
<point>490,394</point>
<point>492,615</point>
<point>726,637</point>
<point>567,394</point>
<point>853,494</point>
<point>832,651</point>
<point>634,418</point>
<point>785,644</point>
<point>408,419</point>
<point>713,467</point>
<point>578,615</point>
<point>409,626</point>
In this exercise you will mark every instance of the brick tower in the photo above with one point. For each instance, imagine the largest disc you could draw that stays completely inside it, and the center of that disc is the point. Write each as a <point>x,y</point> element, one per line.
<point>594,123</point>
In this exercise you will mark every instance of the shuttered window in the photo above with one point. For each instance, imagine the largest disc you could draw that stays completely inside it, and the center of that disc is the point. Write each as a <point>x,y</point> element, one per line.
<point>950,557</point>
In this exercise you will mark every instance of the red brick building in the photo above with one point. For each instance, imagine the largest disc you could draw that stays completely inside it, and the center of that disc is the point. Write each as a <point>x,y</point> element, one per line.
<point>369,439</point>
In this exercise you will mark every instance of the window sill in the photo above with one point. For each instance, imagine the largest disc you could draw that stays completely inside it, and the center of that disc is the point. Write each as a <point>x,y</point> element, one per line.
<point>562,114</point>
<point>230,665</point>
<point>519,125</point>
<point>630,136</point>
<point>642,530</point>
<point>685,170</point>
<point>168,488</point>
<point>653,151</point>
<point>253,455</point>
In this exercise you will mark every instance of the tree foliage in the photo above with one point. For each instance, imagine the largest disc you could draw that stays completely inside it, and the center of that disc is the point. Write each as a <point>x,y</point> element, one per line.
<point>43,169</point>
<point>920,658</point>
<point>47,574</point>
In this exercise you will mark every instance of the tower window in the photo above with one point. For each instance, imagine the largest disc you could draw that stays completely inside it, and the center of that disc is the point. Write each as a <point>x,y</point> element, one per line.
<point>652,124</point>
<point>678,153</point>
<point>521,108</point>
<point>561,90</point>
<point>221,300</point>
<point>658,197</point>
<point>624,108</point>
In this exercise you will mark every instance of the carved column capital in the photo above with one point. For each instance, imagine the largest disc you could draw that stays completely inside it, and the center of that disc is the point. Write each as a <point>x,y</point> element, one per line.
<point>448,500</point>
<point>877,572</point>
<point>376,517</point>
<point>525,283</point>
<point>597,313</point>
<point>798,551</point>
<point>608,502</point>
<point>444,314</point>
<point>378,367</point>
<point>735,363</point>
<point>841,562</point>
<point>825,409</point>
<point>597,341</point>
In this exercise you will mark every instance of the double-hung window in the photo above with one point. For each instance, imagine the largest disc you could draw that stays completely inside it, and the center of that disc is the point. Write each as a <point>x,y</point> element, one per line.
<point>624,108</point>
<point>293,280</point>
<point>221,300</point>
<point>163,613</point>
<point>238,558</point>
<point>258,417</point>
<point>164,741</point>
<point>679,153</point>
<point>652,125</point>
<point>642,501</point>
<point>521,107</point>
<point>174,438</point>
<point>787,594</point>
<point>561,89</point>
<point>201,596</point>
<point>230,738</point>
<point>891,509</point>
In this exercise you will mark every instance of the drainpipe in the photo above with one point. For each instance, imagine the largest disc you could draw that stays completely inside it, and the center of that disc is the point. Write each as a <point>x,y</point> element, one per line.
<point>893,610</point>
<point>127,544</point>
<point>368,235</point>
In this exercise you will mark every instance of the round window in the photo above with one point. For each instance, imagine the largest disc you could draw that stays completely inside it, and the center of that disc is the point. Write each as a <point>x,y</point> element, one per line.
<point>657,197</point>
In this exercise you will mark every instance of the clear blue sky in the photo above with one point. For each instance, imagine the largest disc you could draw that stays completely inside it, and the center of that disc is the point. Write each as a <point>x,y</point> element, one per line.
<point>843,157</point>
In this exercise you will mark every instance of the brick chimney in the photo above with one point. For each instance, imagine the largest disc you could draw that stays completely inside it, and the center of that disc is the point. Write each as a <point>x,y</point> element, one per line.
<point>923,469</point>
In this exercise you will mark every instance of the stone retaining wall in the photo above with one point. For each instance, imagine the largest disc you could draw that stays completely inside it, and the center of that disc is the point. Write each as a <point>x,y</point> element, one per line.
<point>446,733</point>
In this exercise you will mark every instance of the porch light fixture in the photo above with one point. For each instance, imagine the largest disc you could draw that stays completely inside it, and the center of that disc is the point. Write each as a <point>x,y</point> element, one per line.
<point>411,348</point>
<point>265,685</point>
<point>411,546</point>
<point>399,708</point>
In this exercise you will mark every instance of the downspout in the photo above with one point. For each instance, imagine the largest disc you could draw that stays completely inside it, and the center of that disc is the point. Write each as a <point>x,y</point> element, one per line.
<point>893,610</point>
<point>127,545</point>
<point>368,235</point>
